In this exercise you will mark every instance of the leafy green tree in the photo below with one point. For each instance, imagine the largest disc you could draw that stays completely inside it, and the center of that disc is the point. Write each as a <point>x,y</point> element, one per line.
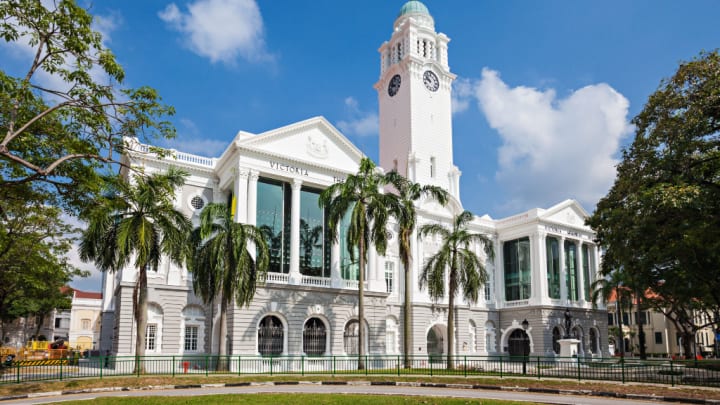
<point>57,135</point>
<point>614,287</point>
<point>659,222</point>
<point>136,223</point>
<point>410,193</point>
<point>370,209</point>
<point>33,255</point>
<point>466,271</point>
<point>227,261</point>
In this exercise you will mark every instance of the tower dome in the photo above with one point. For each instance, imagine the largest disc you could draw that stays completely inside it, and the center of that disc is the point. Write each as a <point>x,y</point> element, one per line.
<point>417,11</point>
<point>413,7</point>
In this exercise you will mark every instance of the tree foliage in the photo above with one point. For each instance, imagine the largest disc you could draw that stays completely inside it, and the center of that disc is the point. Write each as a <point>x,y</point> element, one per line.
<point>409,194</point>
<point>136,224</point>
<point>66,114</point>
<point>370,209</point>
<point>227,261</point>
<point>456,256</point>
<point>660,222</point>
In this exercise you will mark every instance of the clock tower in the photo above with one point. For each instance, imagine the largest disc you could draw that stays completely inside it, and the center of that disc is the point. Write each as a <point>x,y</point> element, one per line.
<point>414,97</point>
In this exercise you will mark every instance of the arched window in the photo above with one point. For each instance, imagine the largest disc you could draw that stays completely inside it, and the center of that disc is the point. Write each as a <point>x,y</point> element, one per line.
<point>391,335</point>
<point>271,336</point>
<point>154,328</point>
<point>351,337</point>
<point>490,337</point>
<point>556,339</point>
<point>193,329</point>
<point>594,346</point>
<point>472,337</point>
<point>314,337</point>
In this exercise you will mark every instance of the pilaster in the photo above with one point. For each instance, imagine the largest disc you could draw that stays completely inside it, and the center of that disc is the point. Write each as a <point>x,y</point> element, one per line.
<point>295,232</point>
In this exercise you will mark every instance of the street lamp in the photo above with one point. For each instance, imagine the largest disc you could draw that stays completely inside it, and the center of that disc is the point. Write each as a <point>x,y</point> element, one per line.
<point>526,345</point>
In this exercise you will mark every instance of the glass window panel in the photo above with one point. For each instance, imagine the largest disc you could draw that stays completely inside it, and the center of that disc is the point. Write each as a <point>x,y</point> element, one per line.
<point>271,220</point>
<point>312,236</point>
<point>348,266</point>
<point>516,256</point>
<point>191,338</point>
<point>586,271</point>
<point>553,267</point>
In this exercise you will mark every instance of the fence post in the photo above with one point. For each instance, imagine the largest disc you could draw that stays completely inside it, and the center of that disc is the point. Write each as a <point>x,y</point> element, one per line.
<point>465,367</point>
<point>102,364</point>
<point>622,368</point>
<point>61,364</point>
<point>333,366</point>
<point>672,374</point>
<point>206,365</point>
<point>239,365</point>
<point>271,364</point>
<point>366,364</point>
<point>398,365</point>
<point>578,366</point>
<point>302,365</point>
<point>430,363</point>
<point>538,367</point>
<point>137,365</point>
<point>501,367</point>
<point>18,372</point>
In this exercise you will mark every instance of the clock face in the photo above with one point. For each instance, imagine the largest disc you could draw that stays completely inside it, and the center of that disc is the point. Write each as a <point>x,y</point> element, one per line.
<point>394,85</point>
<point>431,81</point>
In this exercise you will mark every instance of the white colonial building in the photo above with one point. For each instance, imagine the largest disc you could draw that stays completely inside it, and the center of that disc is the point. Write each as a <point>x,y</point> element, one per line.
<point>545,259</point>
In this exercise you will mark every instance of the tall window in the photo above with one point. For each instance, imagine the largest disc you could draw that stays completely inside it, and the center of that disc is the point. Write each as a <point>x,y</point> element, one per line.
<point>594,346</point>
<point>658,338</point>
<point>571,276</point>
<point>553,267</point>
<point>314,337</point>
<point>586,271</point>
<point>516,255</point>
<point>191,338</point>
<point>314,246</point>
<point>351,337</point>
<point>389,276</point>
<point>85,324</point>
<point>150,336</point>
<point>472,337</point>
<point>556,340</point>
<point>349,266</point>
<point>271,336</point>
<point>273,219</point>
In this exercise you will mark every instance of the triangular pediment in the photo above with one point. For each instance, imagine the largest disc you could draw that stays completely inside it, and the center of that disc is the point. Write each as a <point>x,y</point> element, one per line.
<point>568,212</point>
<point>314,141</point>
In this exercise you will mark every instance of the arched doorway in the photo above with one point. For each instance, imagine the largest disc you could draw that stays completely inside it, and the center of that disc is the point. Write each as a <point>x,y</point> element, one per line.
<point>436,343</point>
<point>519,343</point>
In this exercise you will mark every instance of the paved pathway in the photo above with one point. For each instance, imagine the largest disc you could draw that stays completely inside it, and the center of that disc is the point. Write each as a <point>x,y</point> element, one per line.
<point>359,388</point>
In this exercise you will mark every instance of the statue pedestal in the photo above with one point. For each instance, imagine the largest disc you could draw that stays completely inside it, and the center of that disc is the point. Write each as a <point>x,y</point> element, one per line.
<point>569,347</point>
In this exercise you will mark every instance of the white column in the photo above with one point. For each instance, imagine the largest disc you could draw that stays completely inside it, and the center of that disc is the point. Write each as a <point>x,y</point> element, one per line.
<point>241,184</point>
<point>581,273</point>
<point>542,272</point>
<point>252,197</point>
<point>563,271</point>
<point>499,273</point>
<point>335,271</point>
<point>373,279</point>
<point>295,232</point>
<point>535,295</point>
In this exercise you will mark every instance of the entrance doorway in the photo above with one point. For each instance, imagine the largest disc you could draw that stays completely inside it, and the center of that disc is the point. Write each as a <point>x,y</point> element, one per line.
<point>436,343</point>
<point>519,343</point>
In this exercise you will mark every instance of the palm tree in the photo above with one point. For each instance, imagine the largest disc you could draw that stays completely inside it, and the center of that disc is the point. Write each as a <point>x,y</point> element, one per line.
<point>466,270</point>
<point>604,289</point>
<point>137,222</point>
<point>223,263</point>
<point>361,194</point>
<point>409,193</point>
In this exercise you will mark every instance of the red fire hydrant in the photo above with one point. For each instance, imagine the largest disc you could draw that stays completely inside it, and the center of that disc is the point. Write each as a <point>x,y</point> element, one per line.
<point>186,365</point>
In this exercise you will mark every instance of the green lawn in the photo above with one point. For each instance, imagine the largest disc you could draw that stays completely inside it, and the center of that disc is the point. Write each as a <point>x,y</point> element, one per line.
<point>301,399</point>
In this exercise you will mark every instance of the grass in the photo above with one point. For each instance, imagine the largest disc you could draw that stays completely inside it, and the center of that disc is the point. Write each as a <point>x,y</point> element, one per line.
<point>300,399</point>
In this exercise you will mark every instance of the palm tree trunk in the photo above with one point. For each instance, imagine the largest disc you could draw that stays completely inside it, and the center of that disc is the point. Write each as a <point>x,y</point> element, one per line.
<point>641,330</point>
<point>361,306</point>
<point>407,320</point>
<point>140,301</point>
<point>451,322</point>
<point>222,338</point>
<point>621,341</point>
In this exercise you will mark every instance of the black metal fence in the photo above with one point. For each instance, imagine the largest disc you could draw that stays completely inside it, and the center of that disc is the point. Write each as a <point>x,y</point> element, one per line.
<point>664,371</point>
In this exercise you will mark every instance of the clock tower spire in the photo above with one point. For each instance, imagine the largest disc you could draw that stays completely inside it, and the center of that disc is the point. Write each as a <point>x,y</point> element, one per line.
<point>414,97</point>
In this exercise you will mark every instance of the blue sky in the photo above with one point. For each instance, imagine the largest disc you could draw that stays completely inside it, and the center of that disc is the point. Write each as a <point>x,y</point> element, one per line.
<point>544,95</point>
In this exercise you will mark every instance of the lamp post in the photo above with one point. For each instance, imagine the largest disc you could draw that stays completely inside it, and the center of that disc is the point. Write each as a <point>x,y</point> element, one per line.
<point>526,345</point>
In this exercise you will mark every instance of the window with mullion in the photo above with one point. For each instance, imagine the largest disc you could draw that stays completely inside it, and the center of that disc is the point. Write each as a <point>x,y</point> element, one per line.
<point>191,338</point>
<point>553,267</point>
<point>571,276</point>
<point>516,254</point>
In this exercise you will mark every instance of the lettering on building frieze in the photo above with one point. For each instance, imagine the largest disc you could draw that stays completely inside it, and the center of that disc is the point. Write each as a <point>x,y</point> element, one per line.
<point>562,231</point>
<point>284,167</point>
<point>338,179</point>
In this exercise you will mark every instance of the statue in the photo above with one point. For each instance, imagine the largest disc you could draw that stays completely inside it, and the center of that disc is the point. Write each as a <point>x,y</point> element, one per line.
<point>568,322</point>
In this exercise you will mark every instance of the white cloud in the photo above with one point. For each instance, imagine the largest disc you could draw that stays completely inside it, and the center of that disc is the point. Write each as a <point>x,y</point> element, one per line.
<point>94,280</point>
<point>361,123</point>
<point>554,148</point>
<point>461,95</point>
<point>190,140</point>
<point>220,30</point>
